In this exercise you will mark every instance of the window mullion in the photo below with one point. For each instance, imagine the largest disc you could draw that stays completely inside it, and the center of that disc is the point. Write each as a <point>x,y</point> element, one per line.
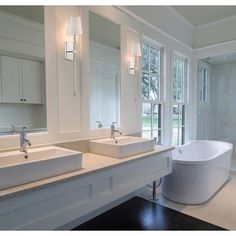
<point>149,81</point>
<point>153,100</point>
<point>152,118</point>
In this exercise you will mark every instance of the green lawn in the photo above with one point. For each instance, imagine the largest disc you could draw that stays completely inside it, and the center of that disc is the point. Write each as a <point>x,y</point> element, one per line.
<point>146,121</point>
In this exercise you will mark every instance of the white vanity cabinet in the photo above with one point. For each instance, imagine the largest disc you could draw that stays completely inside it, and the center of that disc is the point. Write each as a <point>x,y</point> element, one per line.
<point>20,81</point>
<point>101,181</point>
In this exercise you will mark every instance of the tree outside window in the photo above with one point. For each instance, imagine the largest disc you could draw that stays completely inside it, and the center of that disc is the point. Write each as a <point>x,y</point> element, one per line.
<point>151,107</point>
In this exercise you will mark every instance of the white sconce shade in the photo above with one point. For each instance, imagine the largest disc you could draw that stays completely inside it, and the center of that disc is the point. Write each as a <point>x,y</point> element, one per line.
<point>75,29</point>
<point>135,52</point>
<point>74,26</point>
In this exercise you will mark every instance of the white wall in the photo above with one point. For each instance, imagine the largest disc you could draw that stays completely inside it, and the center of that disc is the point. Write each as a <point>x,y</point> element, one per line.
<point>68,115</point>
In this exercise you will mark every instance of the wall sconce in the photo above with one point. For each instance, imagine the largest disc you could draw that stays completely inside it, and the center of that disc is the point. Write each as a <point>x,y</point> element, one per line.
<point>135,52</point>
<point>75,29</point>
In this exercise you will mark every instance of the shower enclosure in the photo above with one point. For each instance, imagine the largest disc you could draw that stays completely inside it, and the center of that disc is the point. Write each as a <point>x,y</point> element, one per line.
<point>217,100</point>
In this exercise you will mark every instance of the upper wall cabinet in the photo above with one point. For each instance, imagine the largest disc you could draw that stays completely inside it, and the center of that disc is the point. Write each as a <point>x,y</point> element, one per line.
<point>10,80</point>
<point>20,80</point>
<point>31,81</point>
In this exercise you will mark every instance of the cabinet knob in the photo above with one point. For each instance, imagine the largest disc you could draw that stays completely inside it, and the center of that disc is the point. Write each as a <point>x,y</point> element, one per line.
<point>21,99</point>
<point>24,100</point>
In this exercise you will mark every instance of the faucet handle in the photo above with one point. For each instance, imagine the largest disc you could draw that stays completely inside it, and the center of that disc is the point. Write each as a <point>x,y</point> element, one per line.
<point>13,129</point>
<point>113,123</point>
<point>99,123</point>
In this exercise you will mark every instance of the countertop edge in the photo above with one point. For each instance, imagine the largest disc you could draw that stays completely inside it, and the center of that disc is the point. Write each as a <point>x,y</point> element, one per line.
<point>47,182</point>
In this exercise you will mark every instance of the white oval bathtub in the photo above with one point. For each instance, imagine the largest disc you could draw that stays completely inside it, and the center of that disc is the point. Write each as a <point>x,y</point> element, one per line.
<point>200,168</point>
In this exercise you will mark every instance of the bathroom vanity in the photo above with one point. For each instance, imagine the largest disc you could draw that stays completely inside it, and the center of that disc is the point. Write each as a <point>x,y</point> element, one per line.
<point>52,202</point>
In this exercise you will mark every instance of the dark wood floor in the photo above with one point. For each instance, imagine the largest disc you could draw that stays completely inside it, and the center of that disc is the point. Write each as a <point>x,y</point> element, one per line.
<point>141,214</point>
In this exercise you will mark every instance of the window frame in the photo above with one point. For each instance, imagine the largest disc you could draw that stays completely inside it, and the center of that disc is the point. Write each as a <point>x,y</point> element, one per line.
<point>159,101</point>
<point>181,140</point>
<point>200,84</point>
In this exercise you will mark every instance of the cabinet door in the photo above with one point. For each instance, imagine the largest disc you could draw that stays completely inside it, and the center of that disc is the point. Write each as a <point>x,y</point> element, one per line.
<point>31,81</point>
<point>11,84</point>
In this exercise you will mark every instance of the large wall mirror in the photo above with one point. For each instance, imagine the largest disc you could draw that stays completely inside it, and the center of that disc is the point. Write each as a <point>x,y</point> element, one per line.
<point>104,58</point>
<point>22,69</point>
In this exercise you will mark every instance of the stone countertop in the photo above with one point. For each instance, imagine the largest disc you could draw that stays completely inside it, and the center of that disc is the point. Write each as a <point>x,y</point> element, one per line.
<point>91,163</point>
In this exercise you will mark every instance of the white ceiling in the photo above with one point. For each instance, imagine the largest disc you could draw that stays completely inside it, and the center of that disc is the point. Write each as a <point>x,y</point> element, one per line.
<point>229,58</point>
<point>195,15</point>
<point>201,15</point>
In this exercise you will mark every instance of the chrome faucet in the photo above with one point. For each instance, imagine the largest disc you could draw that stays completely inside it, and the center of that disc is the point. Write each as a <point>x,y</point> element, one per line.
<point>114,131</point>
<point>99,124</point>
<point>24,141</point>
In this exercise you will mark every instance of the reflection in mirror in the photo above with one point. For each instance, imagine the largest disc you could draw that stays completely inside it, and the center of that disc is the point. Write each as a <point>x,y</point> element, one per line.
<point>104,58</point>
<point>22,69</point>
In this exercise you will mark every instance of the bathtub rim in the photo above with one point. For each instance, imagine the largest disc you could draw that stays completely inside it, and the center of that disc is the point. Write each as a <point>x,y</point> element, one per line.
<point>229,147</point>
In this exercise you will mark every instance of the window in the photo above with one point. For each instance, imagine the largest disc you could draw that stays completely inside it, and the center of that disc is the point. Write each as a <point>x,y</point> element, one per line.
<point>151,92</point>
<point>203,84</point>
<point>178,124</point>
<point>179,100</point>
<point>151,120</point>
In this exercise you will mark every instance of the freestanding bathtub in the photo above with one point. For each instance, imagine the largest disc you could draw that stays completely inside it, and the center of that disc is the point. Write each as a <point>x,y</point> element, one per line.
<point>200,168</point>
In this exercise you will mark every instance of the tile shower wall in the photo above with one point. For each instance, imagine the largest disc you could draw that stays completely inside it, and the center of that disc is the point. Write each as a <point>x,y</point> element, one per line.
<point>217,118</point>
<point>225,79</point>
<point>206,111</point>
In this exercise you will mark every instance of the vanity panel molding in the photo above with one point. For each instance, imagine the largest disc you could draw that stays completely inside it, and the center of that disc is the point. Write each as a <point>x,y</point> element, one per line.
<point>55,205</point>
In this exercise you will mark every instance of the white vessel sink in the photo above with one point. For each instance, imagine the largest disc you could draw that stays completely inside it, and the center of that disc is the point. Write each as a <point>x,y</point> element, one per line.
<point>41,163</point>
<point>126,146</point>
